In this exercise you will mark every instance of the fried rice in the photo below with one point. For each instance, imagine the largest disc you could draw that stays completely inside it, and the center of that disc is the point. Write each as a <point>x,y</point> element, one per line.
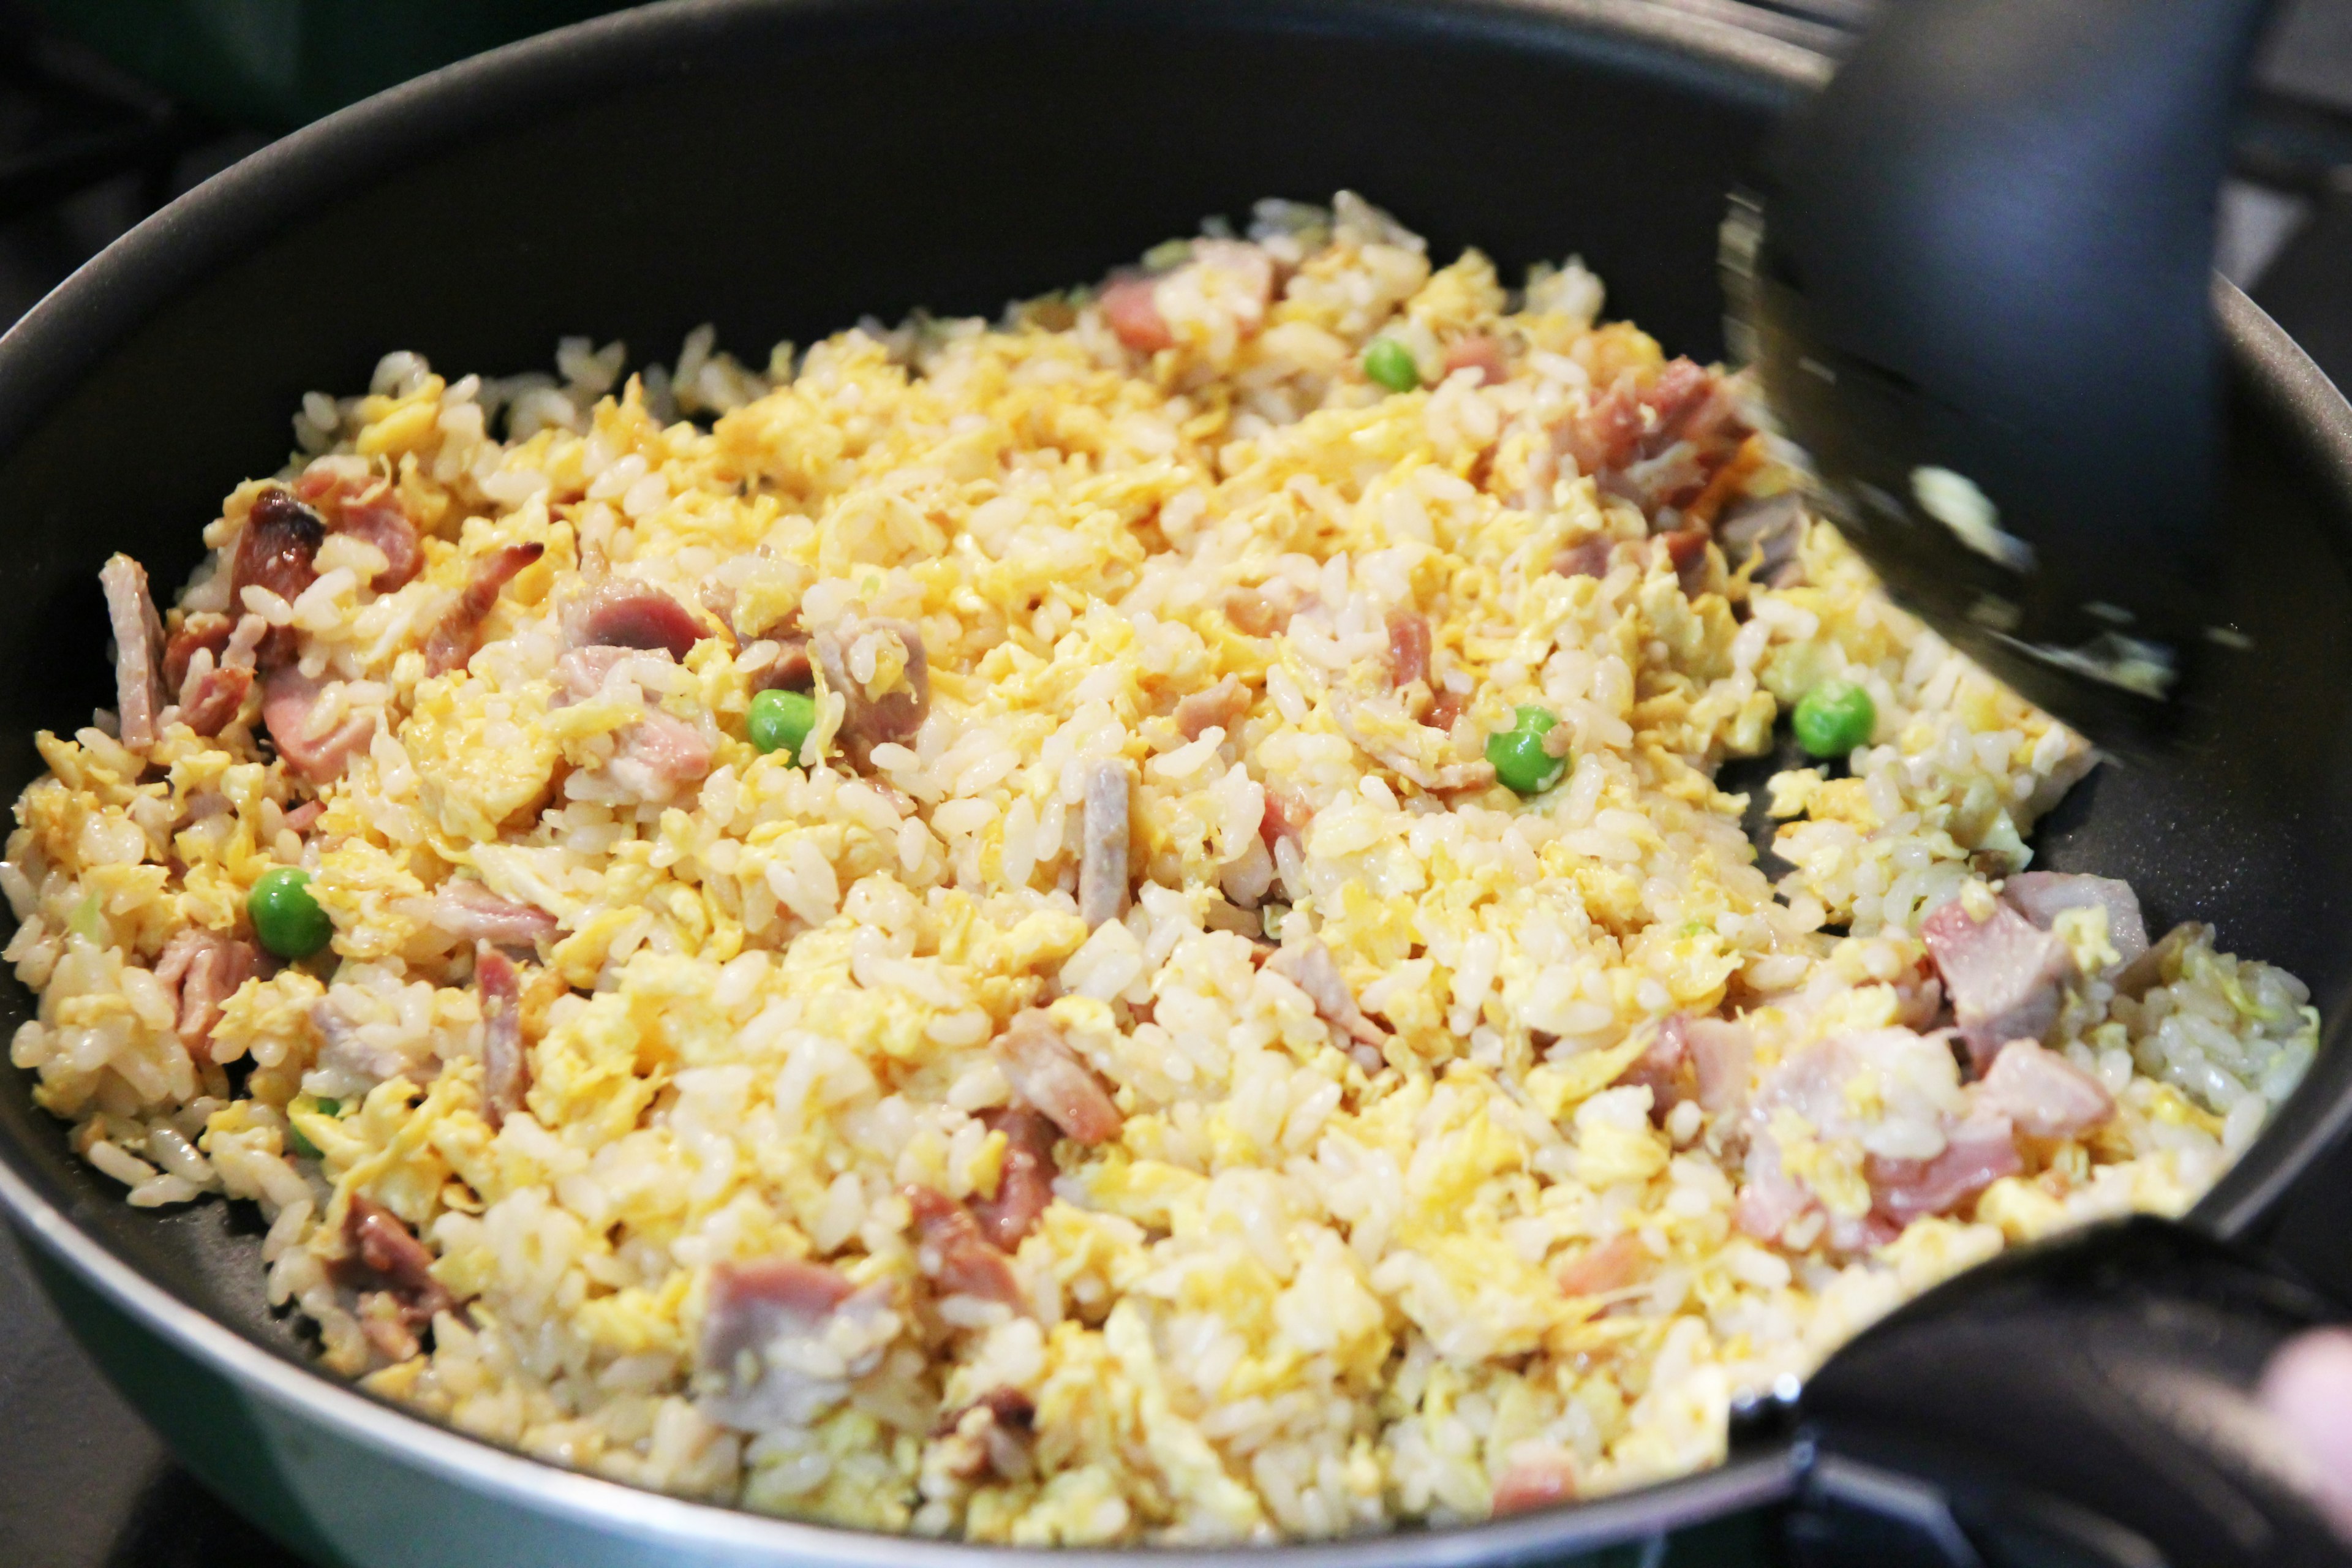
<point>1131,1072</point>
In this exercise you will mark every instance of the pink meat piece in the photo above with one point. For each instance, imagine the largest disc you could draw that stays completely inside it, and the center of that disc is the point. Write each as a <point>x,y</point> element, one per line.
<point>138,651</point>
<point>1000,1426</point>
<point>792,670</point>
<point>957,1255</point>
<point>1045,1071</point>
<point>1480,353</point>
<point>505,1064</point>
<point>2042,896</point>
<point>1106,832</point>
<point>289,699</point>
<point>1443,710</point>
<point>1770,1200</point>
<point>277,550</point>
<point>2041,1093</point>
<point>1604,1267</point>
<point>381,522</point>
<point>1311,966</point>
<point>618,612</point>
<point>458,633</point>
<point>1585,558</point>
<point>204,630</point>
<point>1408,648</point>
<point>384,1255</point>
<point>1263,610</point>
<point>868,721</point>
<point>1978,1153</point>
<point>469,911</point>
<point>1685,549</point>
<point>1530,1484</point>
<point>1134,315</point>
<point>303,817</point>
<point>212,698</point>
<point>1285,815</point>
<point>1219,708</point>
<point>1658,449</point>
<point>764,1321</point>
<point>201,970</point>
<point>1766,536</point>
<point>1025,1183</point>
<point>658,755</point>
<point>1695,1057</point>
<point>2005,977</point>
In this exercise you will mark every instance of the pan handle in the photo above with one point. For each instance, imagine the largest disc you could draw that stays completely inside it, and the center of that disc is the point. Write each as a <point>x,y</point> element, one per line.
<point>2083,1401</point>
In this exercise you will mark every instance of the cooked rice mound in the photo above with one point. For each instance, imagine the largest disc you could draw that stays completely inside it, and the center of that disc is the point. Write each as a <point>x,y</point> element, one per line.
<point>1133,1073</point>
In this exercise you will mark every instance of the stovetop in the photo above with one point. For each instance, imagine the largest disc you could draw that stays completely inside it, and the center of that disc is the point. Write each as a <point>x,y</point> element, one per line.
<point>85,153</point>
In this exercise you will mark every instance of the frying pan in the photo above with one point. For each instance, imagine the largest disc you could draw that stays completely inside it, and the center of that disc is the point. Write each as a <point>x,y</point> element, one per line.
<point>781,168</point>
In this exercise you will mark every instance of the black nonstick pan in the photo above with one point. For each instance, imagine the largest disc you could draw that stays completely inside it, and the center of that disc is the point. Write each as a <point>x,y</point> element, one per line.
<point>783,167</point>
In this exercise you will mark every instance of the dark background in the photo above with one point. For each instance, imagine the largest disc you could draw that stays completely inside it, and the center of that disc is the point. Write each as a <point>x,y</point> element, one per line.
<point>89,147</point>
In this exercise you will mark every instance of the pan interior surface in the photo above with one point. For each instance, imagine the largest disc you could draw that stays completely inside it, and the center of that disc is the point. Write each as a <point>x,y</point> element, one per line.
<point>781,170</point>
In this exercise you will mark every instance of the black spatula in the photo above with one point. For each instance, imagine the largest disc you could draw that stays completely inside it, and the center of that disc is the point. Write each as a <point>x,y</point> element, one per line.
<point>1976,279</point>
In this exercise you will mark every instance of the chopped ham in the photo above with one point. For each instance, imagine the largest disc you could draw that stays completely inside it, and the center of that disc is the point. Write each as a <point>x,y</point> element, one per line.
<point>460,631</point>
<point>1978,1153</point>
<point>1444,709</point>
<point>1263,610</point>
<point>993,1437</point>
<point>1480,353</point>
<point>869,720</point>
<point>1604,1267</point>
<point>201,970</point>
<point>1546,1481</point>
<point>619,612</point>
<point>1663,1069</point>
<point>2041,1093</point>
<point>384,1255</point>
<point>1133,314</point>
<point>212,698</point>
<point>203,631</point>
<point>464,909</point>
<point>289,704</point>
<point>210,665</point>
<point>659,755</point>
<point>2004,977</point>
<point>305,817</point>
<point>382,524</point>
<point>1721,1052</point>
<point>1285,815</point>
<point>1103,861</point>
<point>1219,708</point>
<point>955,1254</point>
<point>1025,1183</point>
<point>1585,558</point>
<point>1309,966</point>
<point>2042,896</point>
<point>1685,549</point>
<point>277,550</point>
<point>506,1064</point>
<point>1765,536</point>
<point>1408,648</point>
<point>138,651</point>
<point>1660,448</point>
<point>790,670</point>
<point>1045,1071</point>
<point>782,1338</point>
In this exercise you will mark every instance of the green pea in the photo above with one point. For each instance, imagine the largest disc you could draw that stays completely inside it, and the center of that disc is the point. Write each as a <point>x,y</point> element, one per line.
<point>285,916</point>
<point>298,1144</point>
<point>1390,364</point>
<point>1519,755</point>
<point>1835,718</point>
<point>329,1107</point>
<point>780,720</point>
